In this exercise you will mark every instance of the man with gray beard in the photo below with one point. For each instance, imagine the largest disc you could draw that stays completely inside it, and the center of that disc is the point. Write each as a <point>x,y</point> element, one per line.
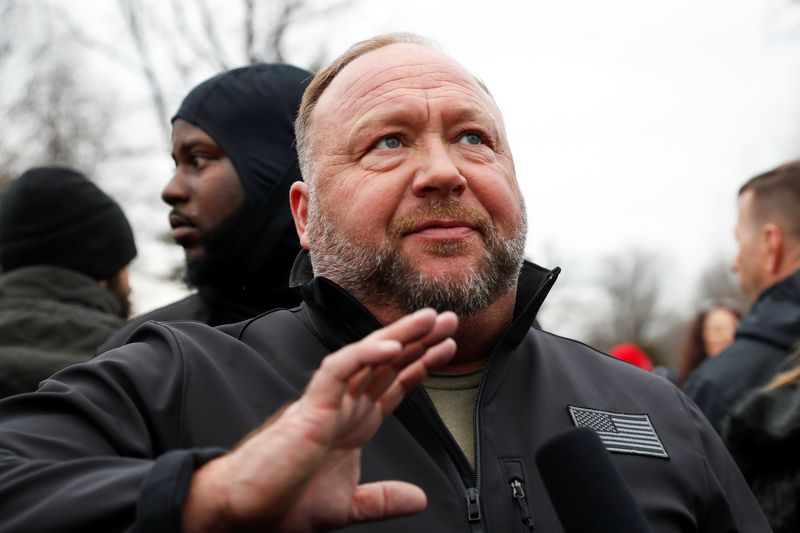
<point>413,229</point>
<point>383,272</point>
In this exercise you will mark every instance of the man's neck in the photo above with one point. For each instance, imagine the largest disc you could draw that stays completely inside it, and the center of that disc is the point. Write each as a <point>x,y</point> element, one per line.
<point>790,266</point>
<point>476,335</point>
<point>787,270</point>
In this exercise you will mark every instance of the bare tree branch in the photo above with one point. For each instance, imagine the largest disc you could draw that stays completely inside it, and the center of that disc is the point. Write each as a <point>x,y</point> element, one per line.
<point>632,284</point>
<point>250,31</point>
<point>131,14</point>
<point>7,8</point>
<point>314,12</point>
<point>210,28</point>
<point>79,36</point>
<point>187,36</point>
<point>281,25</point>
<point>718,283</point>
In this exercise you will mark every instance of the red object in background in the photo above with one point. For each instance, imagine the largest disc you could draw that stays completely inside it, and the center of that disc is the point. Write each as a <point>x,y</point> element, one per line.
<point>631,353</point>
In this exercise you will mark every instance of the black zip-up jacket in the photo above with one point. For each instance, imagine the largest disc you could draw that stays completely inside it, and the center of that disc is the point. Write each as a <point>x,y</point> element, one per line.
<point>111,444</point>
<point>764,338</point>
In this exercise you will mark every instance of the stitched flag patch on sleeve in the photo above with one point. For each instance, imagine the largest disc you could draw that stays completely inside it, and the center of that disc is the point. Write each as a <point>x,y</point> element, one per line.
<point>620,432</point>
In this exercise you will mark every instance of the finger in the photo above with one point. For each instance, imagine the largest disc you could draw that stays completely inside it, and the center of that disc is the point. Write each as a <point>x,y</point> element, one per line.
<point>331,380</point>
<point>329,383</point>
<point>384,500</point>
<point>408,328</point>
<point>445,326</point>
<point>381,378</point>
<point>361,381</point>
<point>435,357</point>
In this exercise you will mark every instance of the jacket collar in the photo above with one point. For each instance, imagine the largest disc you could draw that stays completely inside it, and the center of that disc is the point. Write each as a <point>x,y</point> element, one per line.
<point>775,316</point>
<point>342,317</point>
<point>55,283</point>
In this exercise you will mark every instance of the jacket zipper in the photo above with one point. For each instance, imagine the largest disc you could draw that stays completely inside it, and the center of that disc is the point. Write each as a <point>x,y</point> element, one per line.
<point>518,493</point>
<point>476,489</point>
<point>473,499</point>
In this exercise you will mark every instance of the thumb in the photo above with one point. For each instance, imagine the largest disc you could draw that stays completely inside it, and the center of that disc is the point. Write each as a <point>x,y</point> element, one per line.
<point>384,500</point>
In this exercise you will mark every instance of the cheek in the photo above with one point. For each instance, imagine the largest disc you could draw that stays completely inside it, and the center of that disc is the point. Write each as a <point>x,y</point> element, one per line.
<point>361,208</point>
<point>502,201</point>
<point>220,200</point>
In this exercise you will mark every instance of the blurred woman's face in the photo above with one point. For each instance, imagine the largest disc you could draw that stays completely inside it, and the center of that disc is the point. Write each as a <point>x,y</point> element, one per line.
<point>718,330</point>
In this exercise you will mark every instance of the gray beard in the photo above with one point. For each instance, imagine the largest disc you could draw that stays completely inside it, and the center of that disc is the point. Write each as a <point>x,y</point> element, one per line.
<point>385,276</point>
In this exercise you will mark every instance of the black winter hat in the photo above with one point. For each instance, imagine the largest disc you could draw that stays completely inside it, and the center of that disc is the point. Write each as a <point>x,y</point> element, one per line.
<point>56,216</point>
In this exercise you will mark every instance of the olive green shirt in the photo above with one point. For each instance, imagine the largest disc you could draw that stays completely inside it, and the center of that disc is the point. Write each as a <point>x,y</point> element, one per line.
<point>453,395</point>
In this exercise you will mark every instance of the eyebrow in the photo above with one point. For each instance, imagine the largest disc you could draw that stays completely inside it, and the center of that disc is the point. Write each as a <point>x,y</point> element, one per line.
<point>190,144</point>
<point>410,116</point>
<point>471,112</point>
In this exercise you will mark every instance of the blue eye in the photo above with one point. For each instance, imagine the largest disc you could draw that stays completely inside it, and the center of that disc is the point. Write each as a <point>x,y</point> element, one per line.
<point>390,142</point>
<point>470,137</point>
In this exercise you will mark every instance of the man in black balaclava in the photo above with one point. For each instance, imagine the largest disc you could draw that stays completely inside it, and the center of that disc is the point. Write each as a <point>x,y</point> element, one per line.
<point>235,159</point>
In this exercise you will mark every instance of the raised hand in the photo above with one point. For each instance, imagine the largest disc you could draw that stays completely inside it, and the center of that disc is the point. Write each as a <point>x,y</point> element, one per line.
<point>300,471</point>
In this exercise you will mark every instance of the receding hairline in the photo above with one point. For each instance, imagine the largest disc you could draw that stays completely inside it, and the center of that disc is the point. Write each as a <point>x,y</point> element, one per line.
<point>323,79</point>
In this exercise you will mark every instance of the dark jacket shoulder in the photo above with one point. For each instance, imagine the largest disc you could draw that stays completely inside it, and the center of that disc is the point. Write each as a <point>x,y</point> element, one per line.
<point>764,338</point>
<point>191,307</point>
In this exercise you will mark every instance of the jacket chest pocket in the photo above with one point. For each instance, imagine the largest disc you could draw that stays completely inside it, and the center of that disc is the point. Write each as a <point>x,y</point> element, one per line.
<point>518,493</point>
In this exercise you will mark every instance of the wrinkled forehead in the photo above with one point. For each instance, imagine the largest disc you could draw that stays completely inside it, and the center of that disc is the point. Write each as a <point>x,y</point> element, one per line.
<point>398,69</point>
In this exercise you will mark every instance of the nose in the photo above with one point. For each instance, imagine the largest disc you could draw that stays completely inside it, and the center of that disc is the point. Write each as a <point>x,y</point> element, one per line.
<point>176,190</point>
<point>438,175</point>
<point>735,263</point>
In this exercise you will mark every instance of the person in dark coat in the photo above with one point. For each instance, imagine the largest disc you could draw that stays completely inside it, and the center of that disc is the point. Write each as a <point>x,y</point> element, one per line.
<point>233,146</point>
<point>768,264</point>
<point>763,436</point>
<point>65,247</point>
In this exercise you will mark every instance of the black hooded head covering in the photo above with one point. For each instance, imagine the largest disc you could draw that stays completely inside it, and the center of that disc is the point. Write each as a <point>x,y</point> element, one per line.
<point>250,112</point>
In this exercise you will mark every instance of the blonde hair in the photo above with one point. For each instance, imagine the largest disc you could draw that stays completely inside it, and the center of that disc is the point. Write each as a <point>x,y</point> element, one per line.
<point>787,377</point>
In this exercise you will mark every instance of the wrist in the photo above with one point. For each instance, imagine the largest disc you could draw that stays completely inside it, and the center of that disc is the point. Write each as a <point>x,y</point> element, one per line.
<point>206,508</point>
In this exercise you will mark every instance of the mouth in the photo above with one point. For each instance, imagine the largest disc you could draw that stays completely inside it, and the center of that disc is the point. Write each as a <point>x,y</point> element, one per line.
<point>183,231</point>
<point>443,229</point>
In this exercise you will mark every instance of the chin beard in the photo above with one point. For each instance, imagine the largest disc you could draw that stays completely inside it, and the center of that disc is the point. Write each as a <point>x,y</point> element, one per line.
<point>222,247</point>
<point>385,276</point>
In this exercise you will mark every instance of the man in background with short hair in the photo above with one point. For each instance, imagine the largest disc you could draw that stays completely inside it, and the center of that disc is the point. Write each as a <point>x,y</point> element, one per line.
<point>768,264</point>
<point>65,247</point>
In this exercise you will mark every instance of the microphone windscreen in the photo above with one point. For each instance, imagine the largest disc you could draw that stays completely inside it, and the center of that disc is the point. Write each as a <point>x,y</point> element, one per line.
<point>587,492</point>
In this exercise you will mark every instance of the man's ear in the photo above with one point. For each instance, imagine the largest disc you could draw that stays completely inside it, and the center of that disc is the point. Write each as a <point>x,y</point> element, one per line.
<point>298,200</point>
<point>774,244</point>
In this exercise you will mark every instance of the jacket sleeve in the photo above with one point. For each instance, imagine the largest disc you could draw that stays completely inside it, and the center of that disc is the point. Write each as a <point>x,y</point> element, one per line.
<point>119,337</point>
<point>729,504</point>
<point>77,454</point>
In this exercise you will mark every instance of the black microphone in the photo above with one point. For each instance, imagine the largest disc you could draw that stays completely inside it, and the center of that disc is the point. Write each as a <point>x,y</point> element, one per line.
<point>587,491</point>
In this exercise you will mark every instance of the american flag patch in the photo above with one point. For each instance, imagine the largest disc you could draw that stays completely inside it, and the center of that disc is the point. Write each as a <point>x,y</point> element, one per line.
<point>621,433</point>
